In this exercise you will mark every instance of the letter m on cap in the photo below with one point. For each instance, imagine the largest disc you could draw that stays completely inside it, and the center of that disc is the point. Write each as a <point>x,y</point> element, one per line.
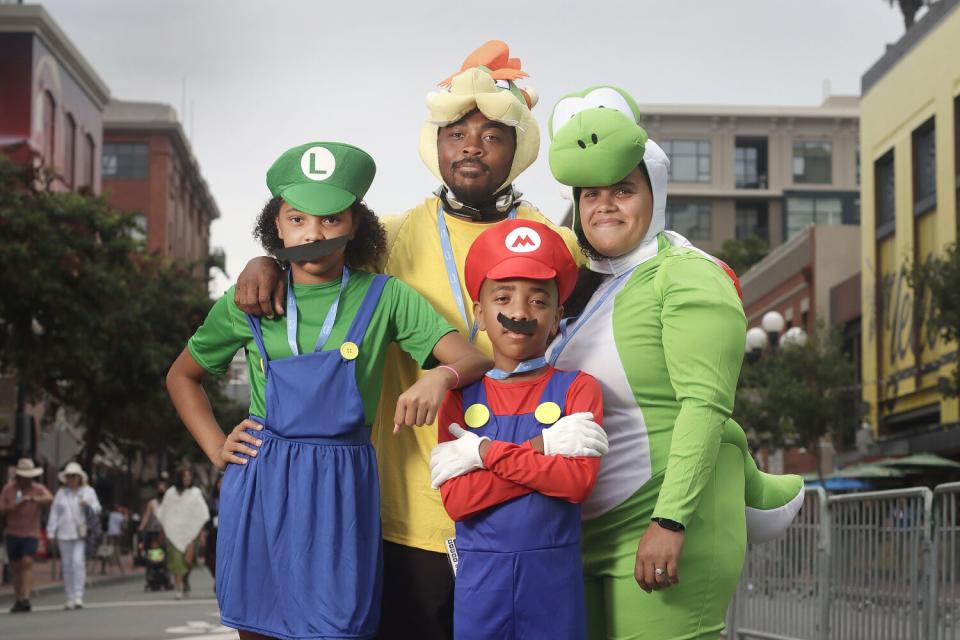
<point>523,241</point>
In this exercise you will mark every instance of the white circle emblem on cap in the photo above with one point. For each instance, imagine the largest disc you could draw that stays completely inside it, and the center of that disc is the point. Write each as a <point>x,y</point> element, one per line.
<point>317,163</point>
<point>522,240</point>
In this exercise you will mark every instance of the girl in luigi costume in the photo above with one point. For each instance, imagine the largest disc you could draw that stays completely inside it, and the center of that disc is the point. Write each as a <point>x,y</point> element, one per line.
<point>298,551</point>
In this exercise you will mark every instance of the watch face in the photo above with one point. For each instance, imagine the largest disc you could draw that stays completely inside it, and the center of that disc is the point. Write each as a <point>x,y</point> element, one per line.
<point>669,525</point>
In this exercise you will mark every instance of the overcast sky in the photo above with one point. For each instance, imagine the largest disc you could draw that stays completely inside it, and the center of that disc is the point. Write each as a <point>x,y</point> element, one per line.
<point>265,76</point>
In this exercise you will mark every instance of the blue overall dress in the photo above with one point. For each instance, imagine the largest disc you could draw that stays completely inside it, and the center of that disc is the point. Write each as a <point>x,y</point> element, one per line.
<point>520,573</point>
<point>299,550</point>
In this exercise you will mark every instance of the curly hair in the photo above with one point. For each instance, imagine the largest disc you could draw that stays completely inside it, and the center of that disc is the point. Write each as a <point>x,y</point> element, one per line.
<point>585,245</point>
<point>364,251</point>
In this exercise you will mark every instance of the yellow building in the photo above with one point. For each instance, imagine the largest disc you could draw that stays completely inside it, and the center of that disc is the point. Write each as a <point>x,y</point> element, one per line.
<point>910,166</point>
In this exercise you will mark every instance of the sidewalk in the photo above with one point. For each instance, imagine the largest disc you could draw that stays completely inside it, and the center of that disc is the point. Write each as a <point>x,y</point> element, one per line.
<point>45,582</point>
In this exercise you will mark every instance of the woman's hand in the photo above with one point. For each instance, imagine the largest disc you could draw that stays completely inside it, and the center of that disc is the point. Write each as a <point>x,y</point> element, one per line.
<point>419,404</point>
<point>659,548</point>
<point>237,442</point>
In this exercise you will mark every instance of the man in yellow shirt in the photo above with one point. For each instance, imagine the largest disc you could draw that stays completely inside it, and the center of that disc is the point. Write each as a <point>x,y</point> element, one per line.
<point>477,138</point>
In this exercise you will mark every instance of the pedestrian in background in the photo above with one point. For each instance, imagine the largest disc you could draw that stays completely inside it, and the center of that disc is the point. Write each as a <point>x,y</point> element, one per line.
<point>74,506</point>
<point>183,513</point>
<point>21,501</point>
<point>210,550</point>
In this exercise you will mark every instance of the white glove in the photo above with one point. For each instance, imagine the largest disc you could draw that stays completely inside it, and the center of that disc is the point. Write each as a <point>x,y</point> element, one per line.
<point>575,435</point>
<point>455,458</point>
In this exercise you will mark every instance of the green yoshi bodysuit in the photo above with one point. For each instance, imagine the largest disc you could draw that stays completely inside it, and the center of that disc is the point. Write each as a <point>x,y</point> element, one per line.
<point>664,336</point>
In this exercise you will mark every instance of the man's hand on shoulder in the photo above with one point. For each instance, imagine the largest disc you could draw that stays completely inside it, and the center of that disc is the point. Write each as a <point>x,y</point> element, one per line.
<point>260,289</point>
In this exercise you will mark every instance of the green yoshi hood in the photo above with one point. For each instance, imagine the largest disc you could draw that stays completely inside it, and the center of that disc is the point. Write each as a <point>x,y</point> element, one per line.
<point>596,140</point>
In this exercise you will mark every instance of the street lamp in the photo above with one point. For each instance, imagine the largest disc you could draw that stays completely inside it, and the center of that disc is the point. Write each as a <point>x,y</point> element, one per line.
<point>773,323</point>
<point>756,343</point>
<point>794,337</point>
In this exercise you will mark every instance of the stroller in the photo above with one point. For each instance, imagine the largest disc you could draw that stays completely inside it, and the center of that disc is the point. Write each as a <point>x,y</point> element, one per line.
<point>157,576</point>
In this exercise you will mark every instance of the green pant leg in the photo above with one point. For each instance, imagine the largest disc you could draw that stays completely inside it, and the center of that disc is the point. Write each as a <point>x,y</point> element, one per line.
<point>710,563</point>
<point>593,588</point>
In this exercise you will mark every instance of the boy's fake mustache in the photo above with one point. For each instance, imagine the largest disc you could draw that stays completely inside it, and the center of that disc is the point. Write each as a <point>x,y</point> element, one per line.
<point>518,326</point>
<point>312,250</point>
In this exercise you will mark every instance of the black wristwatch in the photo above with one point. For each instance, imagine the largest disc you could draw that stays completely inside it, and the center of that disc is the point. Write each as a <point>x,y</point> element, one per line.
<point>669,525</point>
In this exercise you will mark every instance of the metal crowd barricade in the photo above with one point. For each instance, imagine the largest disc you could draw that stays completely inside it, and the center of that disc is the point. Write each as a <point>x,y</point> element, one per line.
<point>780,596</point>
<point>880,547</point>
<point>883,565</point>
<point>945,615</point>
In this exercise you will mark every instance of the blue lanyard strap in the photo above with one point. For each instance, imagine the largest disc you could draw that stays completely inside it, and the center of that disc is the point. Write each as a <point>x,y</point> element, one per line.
<point>292,314</point>
<point>450,263</point>
<point>523,367</point>
<point>567,332</point>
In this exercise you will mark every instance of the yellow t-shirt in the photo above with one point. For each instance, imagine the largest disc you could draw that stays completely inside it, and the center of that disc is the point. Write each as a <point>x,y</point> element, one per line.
<point>411,510</point>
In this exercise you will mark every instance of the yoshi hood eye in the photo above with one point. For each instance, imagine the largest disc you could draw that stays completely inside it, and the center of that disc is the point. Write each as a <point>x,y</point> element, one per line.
<point>601,97</point>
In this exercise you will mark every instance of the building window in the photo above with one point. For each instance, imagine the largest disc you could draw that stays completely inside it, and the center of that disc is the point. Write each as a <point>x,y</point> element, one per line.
<point>689,160</point>
<point>857,158</point>
<point>125,161</point>
<point>753,219</point>
<point>750,158</point>
<point>812,161</point>
<point>691,219</point>
<point>49,127</point>
<point>70,151</point>
<point>884,195</point>
<point>91,155</point>
<point>803,212</point>
<point>924,168</point>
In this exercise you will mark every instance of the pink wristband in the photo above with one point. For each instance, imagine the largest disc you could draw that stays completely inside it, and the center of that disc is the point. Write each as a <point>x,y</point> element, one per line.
<point>448,367</point>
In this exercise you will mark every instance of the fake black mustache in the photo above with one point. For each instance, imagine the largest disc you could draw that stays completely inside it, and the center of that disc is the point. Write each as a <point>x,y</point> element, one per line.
<point>518,326</point>
<point>312,250</point>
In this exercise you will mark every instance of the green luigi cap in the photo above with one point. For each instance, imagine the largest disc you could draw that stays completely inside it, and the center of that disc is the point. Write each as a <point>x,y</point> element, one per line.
<point>321,178</point>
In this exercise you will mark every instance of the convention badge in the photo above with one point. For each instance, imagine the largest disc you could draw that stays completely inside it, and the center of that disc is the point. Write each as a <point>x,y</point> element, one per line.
<point>452,555</point>
<point>349,351</point>
<point>547,413</point>
<point>476,416</point>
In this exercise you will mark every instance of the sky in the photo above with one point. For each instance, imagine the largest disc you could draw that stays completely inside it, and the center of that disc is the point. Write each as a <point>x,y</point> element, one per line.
<point>262,77</point>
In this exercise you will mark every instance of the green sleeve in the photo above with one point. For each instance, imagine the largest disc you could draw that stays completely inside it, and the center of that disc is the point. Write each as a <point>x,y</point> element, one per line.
<point>416,326</point>
<point>703,337</point>
<point>218,338</point>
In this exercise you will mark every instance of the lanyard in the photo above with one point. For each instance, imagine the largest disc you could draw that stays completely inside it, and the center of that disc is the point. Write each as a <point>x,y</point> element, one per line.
<point>523,367</point>
<point>450,263</point>
<point>578,322</point>
<point>327,322</point>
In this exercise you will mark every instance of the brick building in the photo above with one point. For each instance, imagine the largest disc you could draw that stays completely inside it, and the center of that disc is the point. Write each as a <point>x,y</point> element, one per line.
<point>149,168</point>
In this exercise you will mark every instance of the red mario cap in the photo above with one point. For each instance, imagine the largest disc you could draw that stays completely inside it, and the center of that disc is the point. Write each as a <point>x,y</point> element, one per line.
<point>520,249</point>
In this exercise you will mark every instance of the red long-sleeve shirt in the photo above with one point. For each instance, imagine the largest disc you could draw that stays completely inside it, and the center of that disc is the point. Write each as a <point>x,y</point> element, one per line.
<point>514,470</point>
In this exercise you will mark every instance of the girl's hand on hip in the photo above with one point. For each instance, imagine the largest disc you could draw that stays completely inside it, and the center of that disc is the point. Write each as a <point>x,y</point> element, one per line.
<point>418,405</point>
<point>237,442</point>
<point>660,549</point>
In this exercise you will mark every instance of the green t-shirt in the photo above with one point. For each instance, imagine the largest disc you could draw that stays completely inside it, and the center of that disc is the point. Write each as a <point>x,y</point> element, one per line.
<point>402,316</point>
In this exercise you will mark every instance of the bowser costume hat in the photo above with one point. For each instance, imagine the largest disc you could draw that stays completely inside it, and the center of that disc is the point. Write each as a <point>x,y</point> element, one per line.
<point>485,82</point>
<point>520,249</point>
<point>321,178</point>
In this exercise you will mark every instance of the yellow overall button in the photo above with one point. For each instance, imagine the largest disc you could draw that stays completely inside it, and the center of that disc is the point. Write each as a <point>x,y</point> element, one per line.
<point>349,351</point>
<point>262,370</point>
<point>476,416</point>
<point>547,413</point>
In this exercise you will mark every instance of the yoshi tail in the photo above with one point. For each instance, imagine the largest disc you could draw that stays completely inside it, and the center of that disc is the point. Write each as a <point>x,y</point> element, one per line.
<point>772,501</point>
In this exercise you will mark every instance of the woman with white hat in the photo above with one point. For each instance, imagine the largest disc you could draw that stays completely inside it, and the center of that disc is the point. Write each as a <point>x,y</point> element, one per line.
<point>21,501</point>
<point>68,525</point>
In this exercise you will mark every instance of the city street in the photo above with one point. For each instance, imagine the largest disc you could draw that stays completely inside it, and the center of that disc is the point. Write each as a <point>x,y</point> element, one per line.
<point>122,611</point>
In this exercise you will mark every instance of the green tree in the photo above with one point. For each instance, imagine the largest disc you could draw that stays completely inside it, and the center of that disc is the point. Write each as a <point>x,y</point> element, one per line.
<point>937,281</point>
<point>740,255</point>
<point>797,394</point>
<point>88,319</point>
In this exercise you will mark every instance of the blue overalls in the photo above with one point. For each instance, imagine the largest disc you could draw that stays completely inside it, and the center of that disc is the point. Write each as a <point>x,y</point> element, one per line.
<point>299,550</point>
<point>520,573</point>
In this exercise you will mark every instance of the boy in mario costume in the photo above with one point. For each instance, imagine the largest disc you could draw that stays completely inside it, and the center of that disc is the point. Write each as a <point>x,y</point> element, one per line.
<point>520,449</point>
